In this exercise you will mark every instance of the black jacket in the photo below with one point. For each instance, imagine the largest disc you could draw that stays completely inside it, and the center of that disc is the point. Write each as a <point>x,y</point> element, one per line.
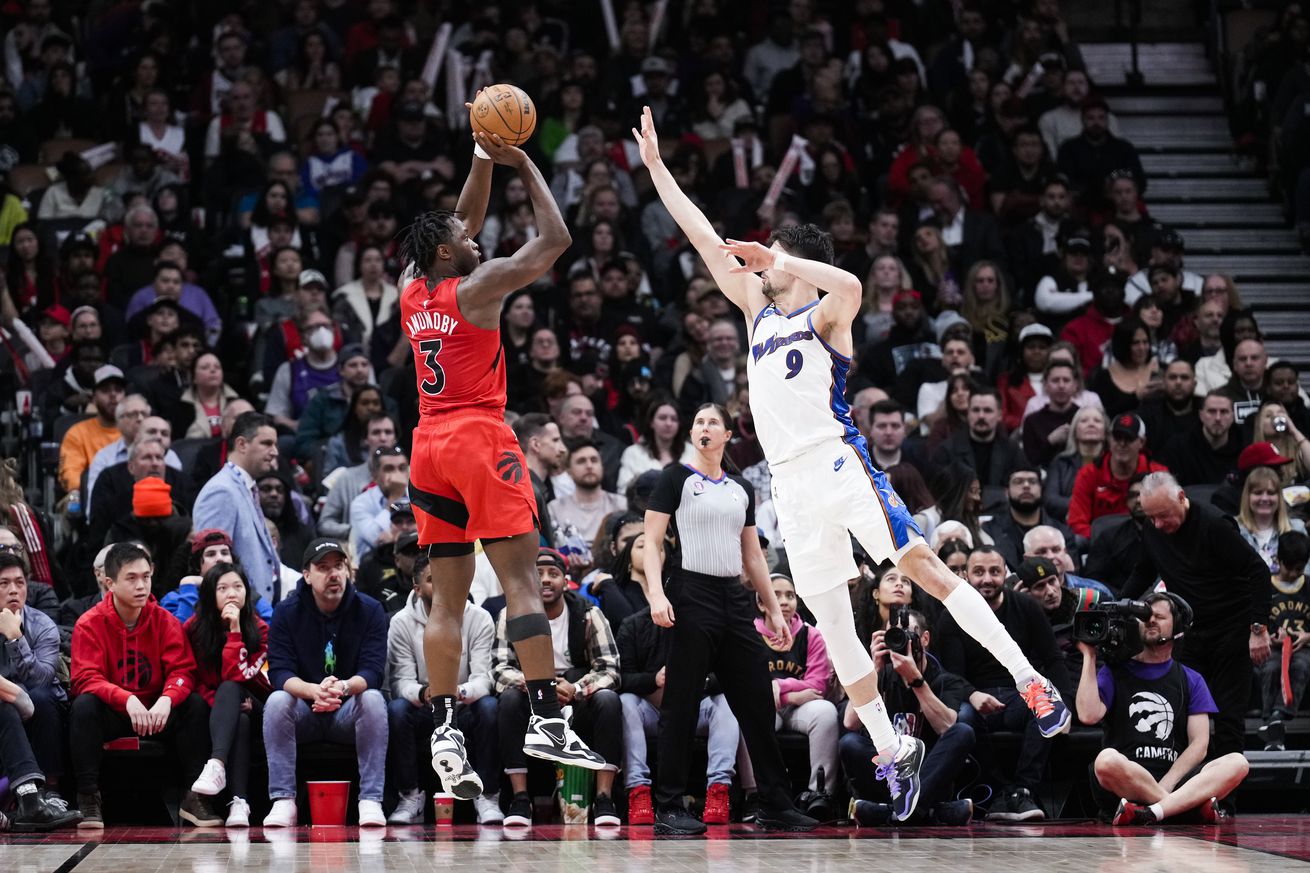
<point>1193,461</point>
<point>1009,536</point>
<point>643,651</point>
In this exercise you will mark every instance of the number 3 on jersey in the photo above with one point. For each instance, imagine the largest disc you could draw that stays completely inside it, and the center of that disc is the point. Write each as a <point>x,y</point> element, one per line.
<point>431,348</point>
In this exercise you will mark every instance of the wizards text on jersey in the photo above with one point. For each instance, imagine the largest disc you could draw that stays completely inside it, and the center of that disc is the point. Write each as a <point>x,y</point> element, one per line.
<point>773,343</point>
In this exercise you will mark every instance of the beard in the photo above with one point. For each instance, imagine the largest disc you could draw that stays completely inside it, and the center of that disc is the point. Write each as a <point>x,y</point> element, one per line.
<point>768,288</point>
<point>1025,506</point>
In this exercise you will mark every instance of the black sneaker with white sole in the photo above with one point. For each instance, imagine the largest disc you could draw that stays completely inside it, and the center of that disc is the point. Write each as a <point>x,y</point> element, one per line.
<point>519,813</point>
<point>552,739</point>
<point>604,813</point>
<point>450,761</point>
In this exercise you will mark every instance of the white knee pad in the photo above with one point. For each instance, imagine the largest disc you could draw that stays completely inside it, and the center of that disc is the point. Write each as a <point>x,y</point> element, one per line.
<point>836,621</point>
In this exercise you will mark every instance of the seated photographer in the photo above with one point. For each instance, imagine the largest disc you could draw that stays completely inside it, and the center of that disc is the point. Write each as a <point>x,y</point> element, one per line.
<point>997,705</point>
<point>924,701</point>
<point>1153,766</point>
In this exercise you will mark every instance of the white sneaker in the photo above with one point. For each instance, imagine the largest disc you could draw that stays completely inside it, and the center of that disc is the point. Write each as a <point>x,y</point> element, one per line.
<point>282,815</point>
<point>370,814</point>
<point>553,739</point>
<point>212,780</point>
<point>238,813</point>
<point>488,807</point>
<point>410,808</point>
<point>451,762</point>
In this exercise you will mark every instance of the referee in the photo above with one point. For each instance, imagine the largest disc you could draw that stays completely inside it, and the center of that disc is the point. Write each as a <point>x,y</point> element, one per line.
<point>713,516</point>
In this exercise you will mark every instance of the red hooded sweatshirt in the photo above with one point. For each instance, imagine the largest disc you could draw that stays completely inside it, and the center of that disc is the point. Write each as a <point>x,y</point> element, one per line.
<point>115,663</point>
<point>236,664</point>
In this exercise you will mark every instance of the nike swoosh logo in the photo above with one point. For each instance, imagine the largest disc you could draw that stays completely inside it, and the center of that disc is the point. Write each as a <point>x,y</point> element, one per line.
<point>837,464</point>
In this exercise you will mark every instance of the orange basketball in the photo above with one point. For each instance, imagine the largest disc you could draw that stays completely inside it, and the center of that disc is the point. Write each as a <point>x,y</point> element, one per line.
<point>506,111</point>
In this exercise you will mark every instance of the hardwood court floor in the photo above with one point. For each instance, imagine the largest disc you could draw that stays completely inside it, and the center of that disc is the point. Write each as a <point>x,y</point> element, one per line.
<point>1258,844</point>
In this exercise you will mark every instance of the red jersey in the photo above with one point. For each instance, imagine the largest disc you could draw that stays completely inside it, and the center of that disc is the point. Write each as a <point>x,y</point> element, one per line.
<point>459,366</point>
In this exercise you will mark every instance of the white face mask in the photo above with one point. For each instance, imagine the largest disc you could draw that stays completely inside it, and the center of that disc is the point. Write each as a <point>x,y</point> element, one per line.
<point>320,339</point>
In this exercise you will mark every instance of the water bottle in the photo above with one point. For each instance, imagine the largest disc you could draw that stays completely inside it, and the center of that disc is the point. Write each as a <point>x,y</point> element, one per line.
<point>74,503</point>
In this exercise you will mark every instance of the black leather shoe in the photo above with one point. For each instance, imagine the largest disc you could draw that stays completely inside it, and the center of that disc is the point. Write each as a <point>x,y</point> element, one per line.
<point>37,813</point>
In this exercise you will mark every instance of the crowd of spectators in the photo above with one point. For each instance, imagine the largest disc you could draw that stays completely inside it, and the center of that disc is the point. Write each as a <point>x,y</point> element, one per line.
<point>199,313</point>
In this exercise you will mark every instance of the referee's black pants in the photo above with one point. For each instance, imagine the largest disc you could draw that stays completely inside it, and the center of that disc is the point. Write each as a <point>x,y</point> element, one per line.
<point>713,630</point>
<point>1224,660</point>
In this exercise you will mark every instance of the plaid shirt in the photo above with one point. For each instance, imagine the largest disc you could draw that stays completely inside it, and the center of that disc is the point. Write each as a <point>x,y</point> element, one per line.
<point>602,653</point>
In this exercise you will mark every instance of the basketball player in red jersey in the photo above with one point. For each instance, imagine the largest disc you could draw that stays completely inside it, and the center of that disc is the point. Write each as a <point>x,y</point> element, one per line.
<point>468,477</point>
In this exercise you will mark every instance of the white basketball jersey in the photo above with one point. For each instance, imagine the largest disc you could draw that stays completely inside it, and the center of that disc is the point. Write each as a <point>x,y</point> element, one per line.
<point>797,385</point>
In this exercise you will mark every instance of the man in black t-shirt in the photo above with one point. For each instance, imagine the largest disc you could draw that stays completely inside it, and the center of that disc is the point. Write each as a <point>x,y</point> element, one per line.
<point>1156,714</point>
<point>924,701</point>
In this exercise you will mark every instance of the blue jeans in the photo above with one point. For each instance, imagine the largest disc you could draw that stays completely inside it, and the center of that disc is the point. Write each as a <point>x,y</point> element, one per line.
<point>716,723</point>
<point>412,724</point>
<point>940,766</point>
<point>360,722</point>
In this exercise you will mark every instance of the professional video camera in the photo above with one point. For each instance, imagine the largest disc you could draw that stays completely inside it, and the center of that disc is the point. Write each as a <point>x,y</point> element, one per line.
<point>1114,628</point>
<point>898,638</point>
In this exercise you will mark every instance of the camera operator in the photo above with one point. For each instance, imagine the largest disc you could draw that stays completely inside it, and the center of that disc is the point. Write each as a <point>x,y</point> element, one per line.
<point>924,701</point>
<point>1202,558</point>
<point>1152,766</point>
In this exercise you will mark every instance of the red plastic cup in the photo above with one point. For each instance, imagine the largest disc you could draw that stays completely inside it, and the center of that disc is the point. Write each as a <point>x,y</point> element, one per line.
<point>444,808</point>
<point>327,803</point>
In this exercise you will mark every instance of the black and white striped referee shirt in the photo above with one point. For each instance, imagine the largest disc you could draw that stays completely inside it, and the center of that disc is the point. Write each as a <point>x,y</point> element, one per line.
<point>708,516</point>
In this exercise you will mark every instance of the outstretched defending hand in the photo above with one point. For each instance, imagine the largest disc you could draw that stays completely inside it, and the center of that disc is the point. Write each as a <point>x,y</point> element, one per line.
<point>647,140</point>
<point>757,258</point>
<point>500,152</point>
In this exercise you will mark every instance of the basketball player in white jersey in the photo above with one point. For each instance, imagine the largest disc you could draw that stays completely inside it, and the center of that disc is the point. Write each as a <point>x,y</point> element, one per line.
<point>825,485</point>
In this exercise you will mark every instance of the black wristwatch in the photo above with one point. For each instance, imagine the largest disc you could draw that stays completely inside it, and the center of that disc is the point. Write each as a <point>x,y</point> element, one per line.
<point>917,683</point>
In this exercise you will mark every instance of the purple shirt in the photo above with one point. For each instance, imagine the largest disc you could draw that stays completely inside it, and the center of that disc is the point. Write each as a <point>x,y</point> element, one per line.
<point>1199,697</point>
<point>194,300</point>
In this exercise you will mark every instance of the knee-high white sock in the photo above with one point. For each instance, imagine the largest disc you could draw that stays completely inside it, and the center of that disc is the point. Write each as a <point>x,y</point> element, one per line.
<point>976,618</point>
<point>875,718</point>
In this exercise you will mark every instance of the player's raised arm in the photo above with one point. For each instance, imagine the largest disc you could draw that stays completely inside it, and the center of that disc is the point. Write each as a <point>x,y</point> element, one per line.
<point>743,289</point>
<point>844,292</point>
<point>475,195</point>
<point>492,280</point>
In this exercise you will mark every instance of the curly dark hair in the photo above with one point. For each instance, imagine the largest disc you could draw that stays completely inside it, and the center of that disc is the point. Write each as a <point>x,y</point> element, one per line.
<point>805,241</point>
<point>429,230</point>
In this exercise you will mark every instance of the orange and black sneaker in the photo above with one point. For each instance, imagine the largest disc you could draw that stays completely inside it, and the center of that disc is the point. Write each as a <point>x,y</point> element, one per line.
<point>1047,706</point>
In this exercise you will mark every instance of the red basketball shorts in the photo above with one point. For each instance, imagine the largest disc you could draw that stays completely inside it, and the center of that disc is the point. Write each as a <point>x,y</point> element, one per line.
<point>468,480</point>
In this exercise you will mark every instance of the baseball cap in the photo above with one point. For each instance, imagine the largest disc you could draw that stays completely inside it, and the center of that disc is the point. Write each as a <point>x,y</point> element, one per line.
<point>56,312</point>
<point>350,351</point>
<point>906,293</point>
<point>1078,241</point>
<point>1128,427</point>
<point>320,549</point>
<point>312,277</point>
<point>1039,331</point>
<point>1034,569</point>
<point>409,110</point>
<point>551,558</point>
<point>210,536</point>
<point>108,373</point>
<point>1260,455</point>
<point>406,541</point>
<point>78,241</point>
<point>655,64</point>
<point>401,507</point>
<point>162,303</point>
